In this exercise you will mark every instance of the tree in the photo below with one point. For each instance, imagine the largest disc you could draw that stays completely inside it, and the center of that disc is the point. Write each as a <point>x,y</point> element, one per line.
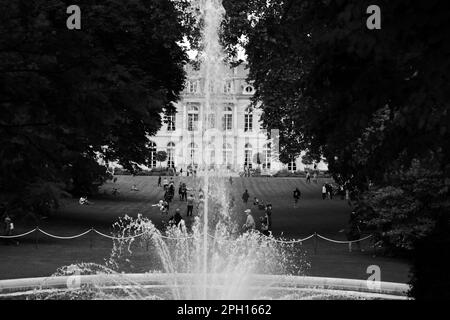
<point>70,97</point>
<point>373,103</point>
<point>161,156</point>
<point>337,89</point>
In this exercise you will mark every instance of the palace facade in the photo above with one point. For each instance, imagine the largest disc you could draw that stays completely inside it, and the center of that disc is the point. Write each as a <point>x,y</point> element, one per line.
<point>224,134</point>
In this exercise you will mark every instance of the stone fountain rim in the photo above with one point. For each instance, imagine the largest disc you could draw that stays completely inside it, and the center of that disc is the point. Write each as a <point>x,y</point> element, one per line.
<point>392,289</point>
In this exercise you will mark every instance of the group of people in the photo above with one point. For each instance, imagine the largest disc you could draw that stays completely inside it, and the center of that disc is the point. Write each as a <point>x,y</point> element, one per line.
<point>266,220</point>
<point>308,177</point>
<point>169,191</point>
<point>328,191</point>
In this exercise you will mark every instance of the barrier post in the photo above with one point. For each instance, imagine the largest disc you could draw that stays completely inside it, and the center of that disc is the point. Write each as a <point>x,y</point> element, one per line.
<point>350,246</point>
<point>315,242</point>
<point>91,238</point>
<point>36,238</point>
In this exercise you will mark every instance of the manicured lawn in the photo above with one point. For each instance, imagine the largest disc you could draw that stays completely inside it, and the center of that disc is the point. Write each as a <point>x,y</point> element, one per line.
<point>326,217</point>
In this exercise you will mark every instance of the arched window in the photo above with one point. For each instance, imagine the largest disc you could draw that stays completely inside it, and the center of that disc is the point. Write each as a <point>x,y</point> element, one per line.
<point>171,155</point>
<point>292,165</point>
<point>248,153</point>
<point>193,148</point>
<point>192,124</point>
<point>152,159</point>
<point>227,155</point>
<point>248,119</point>
<point>227,120</point>
<point>267,154</point>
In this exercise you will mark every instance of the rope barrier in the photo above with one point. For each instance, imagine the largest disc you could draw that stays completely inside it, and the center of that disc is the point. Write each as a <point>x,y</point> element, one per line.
<point>119,238</point>
<point>64,237</point>
<point>290,241</point>
<point>181,238</point>
<point>343,242</point>
<point>171,238</point>
<point>18,235</point>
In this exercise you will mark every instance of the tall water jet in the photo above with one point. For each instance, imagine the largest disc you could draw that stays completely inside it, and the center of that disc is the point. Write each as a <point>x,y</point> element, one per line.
<point>212,14</point>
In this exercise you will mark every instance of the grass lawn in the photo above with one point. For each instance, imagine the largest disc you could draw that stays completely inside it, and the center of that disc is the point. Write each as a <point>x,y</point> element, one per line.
<point>326,217</point>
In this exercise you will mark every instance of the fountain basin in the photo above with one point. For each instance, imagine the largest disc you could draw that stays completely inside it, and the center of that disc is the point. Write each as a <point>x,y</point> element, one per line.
<point>160,285</point>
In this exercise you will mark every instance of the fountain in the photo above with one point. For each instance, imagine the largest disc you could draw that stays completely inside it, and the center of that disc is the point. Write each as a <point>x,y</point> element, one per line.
<point>214,260</point>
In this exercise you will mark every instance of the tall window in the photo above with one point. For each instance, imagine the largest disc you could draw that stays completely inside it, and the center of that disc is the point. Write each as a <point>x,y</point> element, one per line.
<point>171,122</point>
<point>227,155</point>
<point>228,87</point>
<point>171,155</point>
<point>152,159</point>
<point>193,153</point>
<point>248,119</point>
<point>211,121</point>
<point>211,152</point>
<point>292,165</point>
<point>248,153</point>
<point>227,120</point>
<point>192,118</point>
<point>267,155</point>
<point>192,86</point>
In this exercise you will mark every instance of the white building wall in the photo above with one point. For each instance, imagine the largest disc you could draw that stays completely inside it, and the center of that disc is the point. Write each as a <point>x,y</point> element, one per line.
<point>237,137</point>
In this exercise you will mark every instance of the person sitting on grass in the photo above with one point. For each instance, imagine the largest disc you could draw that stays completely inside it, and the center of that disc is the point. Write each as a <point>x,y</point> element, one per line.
<point>178,221</point>
<point>115,191</point>
<point>250,222</point>
<point>163,206</point>
<point>265,225</point>
<point>84,201</point>
<point>255,201</point>
<point>134,188</point>
<point>261,205</point>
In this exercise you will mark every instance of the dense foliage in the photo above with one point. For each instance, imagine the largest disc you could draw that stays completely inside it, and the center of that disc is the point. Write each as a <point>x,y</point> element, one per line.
<point>374,103</point>
<point>69,97</point>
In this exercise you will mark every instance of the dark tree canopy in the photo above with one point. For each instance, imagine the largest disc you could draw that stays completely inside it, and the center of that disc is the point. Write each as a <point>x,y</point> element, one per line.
<point>374,103</point>
<point>70,96</point>
<point>362,98</point>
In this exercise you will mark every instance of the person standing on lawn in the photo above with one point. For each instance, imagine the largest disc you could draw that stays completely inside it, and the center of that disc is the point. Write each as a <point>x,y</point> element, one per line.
<point>329,188</point>
<point>159,181</point>
<point>324,191</point>
<point>9,230</point>
<point>297,195</point>
<point>183,191</point>
<point>245,196</point>
<point>190,205</point>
